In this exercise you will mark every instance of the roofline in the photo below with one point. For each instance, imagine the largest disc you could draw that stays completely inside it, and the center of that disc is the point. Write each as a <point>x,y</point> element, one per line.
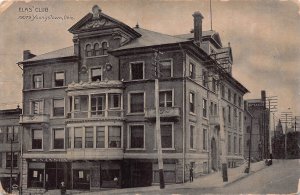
<point>49,60</point>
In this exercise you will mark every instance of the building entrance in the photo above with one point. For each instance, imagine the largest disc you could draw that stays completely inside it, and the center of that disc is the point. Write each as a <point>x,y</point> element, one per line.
<point>214,155</point>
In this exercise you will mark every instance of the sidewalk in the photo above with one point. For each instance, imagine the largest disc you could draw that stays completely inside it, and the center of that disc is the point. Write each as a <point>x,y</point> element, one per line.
<point>213,180</point>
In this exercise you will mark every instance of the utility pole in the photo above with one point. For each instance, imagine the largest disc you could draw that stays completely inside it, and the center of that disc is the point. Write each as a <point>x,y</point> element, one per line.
<point>272,103</point>
<point>158,130</point>
<point>286,117</point>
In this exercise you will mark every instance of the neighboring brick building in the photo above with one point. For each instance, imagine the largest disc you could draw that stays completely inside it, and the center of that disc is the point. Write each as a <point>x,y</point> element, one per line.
<point>89,114</point>
<point>10,140</point>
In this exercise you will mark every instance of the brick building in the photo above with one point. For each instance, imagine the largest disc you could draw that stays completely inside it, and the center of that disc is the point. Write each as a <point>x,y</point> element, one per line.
<point>89,114</point>
<point>10,140</point>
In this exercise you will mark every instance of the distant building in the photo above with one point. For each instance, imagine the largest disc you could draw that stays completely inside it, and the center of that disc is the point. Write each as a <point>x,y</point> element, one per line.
<point>10,140</point>
<point>279,129</point>
<point>89,114</point>
<point>260,129</point>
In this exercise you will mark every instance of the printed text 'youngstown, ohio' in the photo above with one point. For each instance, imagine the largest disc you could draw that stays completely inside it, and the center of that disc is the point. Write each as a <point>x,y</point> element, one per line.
<point>44,18</point>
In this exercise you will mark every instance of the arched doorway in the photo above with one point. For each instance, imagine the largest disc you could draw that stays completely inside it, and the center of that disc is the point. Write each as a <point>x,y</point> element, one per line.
<point>214,165</point>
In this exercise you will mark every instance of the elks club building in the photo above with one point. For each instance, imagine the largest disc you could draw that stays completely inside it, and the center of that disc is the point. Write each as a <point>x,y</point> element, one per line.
<point>89,114</point>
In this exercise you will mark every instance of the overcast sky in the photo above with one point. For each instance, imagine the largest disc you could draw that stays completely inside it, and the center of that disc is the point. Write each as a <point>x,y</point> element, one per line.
<point>264,36</point>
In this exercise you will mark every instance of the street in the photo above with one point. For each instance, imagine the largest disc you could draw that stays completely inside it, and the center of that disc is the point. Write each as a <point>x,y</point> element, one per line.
<point>280,178</point>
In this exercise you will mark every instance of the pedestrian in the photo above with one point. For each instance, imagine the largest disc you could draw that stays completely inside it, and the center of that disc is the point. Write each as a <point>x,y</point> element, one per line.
<point>63,188</point>
<point>191,174</point>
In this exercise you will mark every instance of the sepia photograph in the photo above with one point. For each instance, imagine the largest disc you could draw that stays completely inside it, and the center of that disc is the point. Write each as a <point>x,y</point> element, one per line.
<point>149,97</point>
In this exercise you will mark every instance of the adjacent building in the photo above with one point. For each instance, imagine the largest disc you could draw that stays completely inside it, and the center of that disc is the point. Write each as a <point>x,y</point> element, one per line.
<point>89,114</point>
<point>10,146</point>
<point>259,129</point>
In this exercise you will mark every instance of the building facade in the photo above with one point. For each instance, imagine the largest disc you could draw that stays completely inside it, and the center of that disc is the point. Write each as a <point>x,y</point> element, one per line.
<point>260,144</point>
<point>89,112</point>
<point>10,143</point>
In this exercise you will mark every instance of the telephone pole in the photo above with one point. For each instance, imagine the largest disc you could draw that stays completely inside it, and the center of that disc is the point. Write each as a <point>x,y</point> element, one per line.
<point>286,117</point>
<point>158,130</point>
<point>272,104</point>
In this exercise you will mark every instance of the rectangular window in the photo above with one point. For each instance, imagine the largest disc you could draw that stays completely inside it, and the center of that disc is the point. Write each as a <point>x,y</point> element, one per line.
<point>165,68</point>
<point>58,107</point>
<point>2,134</point>
<point>136,103</point>
<point>69,137</point>
<point>240,145</point>
<point>114,100</point>
<point>192,135</point>
<point>89,137</point>
<point>37,107</point>
<point>37,139</point>
<point>96,74</point>
<point>204,78</point>
<point>204,139</point>
<point>38,81</point>
<point>211,109</point>
<point>229,94</point>
<point>223,91</point>
<point>100,139</point>
<point>192,102</point>
<point>192,71</point>
<point>58,138</point>
<point>204,107</point>
<point>76,103</point>
<point>114,137</point>
<point>234,144</point>
<point>240,121</point>
<point>229,143</point>
<point>59,79</point>
<point>240,101</point>
<point>234,99</point>
<point>137,70</point>
<point>229,115</point>
<point>165,99</point>
<point>13,161</point>
<point>98,105</point>
<point>12,133</point>
<point>137,136</point>
<point>166,136</point>
<point>78,137</point>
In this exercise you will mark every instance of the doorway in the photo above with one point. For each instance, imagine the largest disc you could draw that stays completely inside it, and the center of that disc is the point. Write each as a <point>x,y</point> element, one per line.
<point>214,155</point>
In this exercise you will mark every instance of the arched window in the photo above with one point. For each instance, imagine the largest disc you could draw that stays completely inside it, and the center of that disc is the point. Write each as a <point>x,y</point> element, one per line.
<point>88,50</point>
<point>104,48</point>
<point>97,49</point>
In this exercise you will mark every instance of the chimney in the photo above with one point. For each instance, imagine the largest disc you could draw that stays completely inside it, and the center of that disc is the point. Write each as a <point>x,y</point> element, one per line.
<point>27,55</point>
<point>197,27</point>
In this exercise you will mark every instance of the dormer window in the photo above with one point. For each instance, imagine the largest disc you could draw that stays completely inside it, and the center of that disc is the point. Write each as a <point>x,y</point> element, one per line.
<point>104,48</point>
<point>88,50</point>
<point>97,49</point>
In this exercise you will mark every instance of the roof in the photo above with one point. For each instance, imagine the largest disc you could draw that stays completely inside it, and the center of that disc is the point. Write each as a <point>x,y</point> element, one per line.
<point>60,53</point>
<point>151,38</point>
<point>191,35</point>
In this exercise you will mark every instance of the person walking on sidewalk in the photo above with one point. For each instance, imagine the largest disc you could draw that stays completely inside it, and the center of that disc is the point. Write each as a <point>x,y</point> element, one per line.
<point>191,174</point>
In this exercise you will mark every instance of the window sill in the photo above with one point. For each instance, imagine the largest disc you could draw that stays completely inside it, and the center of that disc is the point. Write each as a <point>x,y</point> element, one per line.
<point>139,149</point>
<point>192,113</point>
<point>100,56</point>
<point>165,149</point>
<point>192,149</point>
<point>57,150</point>
<point>59,87</point>
<point>35,150</point>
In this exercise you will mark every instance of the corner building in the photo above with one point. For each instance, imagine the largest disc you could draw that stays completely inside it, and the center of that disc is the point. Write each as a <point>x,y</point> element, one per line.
<point>89,113</point>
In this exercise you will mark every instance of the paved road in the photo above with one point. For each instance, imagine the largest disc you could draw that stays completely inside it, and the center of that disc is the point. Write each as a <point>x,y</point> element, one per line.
<point>280,178</point>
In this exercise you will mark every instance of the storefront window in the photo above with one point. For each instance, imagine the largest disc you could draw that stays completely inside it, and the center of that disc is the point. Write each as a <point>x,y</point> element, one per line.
<point>81,179</point>
<point>36,178</point>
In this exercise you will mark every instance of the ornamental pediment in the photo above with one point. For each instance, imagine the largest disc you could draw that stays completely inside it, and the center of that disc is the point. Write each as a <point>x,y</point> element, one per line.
<point>97,23</point>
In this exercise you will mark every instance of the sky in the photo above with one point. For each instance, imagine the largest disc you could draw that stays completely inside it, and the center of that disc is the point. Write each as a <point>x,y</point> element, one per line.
<point>263,34</point>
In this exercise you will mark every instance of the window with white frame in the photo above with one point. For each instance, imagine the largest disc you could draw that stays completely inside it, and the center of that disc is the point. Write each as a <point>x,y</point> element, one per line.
<point>12,160</point>
<point>204,141</point>
<point>96,74</point>
<point>192,137</point>
<point>114,100</point>
<point>58,107</point>
<point>12,133</point>
<point>136,136</point>
<point>78,134</point>
<point>136,102</point>
<point>58,138</point>
<point>114,137</point>
<point>137,70</point>
<point>192,73</point>
<point>59,79</point>
<point>38,81</point>
<point>100,137</point>
<point>165,68</point>
<point>166,136</point>
<point>204,107</point>
<point>36,139</point>
<point>98,105</point>
<point>165,99</point>
<point>192,102</point>
<point>37,107</point>
<point>76,103</point>
<point>89,137</point>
